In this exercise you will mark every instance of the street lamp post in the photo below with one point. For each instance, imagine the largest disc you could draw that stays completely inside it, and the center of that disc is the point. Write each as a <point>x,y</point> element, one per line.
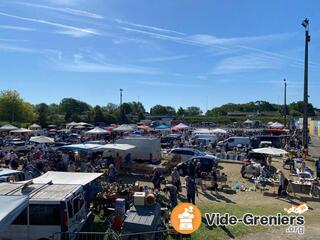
<point>285,102</point>
<point>305,24</point>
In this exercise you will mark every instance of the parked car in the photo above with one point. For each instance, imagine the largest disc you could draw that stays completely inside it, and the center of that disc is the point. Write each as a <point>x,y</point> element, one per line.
<point>183,154</point>
<point>207,162</point>
<point>232,142</point>
<point>17,146</point>
<point>256,158</point>
<point>168,141</point>
<point>53,208</point>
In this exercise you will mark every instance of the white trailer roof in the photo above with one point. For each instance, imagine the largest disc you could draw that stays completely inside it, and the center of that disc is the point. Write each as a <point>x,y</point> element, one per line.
<point>78,178</point>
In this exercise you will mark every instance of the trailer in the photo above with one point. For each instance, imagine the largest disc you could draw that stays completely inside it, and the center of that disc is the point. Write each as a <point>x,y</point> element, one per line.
<point>147,148</point>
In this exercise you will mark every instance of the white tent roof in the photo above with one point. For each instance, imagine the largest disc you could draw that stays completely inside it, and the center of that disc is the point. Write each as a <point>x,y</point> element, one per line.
<point>219,130</point>
<point>14,205</point>
<point>7,127</point>
<point>34,126</point>
<point>21,130</point>
<point>78,178</point>
<point>121,147</point>
<point>42,139</point>
<point>248,121</point>
<point>124,128</point>
<point>71,124</point>
<point>181,126</point>
<point>277,125</point>
<point>270,151</point>
<point>97,130</point>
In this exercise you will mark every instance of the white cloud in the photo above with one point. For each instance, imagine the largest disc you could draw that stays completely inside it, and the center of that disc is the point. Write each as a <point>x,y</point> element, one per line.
<point>63,2</point>
<point>213,40</point>
<point>164,59</point>
<point>78,34</point>
<point>148,27</point>
<point>83,64</point>
<point>247,62</point>
<point>73,29</point>
<point>71,11</point>
<point>88,67</point>
<point>17,28</point>
<point>165,84</point>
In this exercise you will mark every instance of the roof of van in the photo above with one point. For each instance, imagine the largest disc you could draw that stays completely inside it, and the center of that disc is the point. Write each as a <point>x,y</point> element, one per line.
<point>54,192</point>
<point>6,171</point>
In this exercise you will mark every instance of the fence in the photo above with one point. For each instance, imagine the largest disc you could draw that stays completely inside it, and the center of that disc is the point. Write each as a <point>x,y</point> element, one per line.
<point>112,235</point>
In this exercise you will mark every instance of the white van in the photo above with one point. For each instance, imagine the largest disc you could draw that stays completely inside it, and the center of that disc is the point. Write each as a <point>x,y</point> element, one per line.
<point>232,142</point>
<point>52,208</point>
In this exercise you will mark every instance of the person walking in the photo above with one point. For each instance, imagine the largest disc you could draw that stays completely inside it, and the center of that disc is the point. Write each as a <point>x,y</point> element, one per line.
<point>281,187</point>
<point>214,181</point>
<point>156,179</point>
<point>191,189</point>
<point>318,168</point>
<point>175,178</point>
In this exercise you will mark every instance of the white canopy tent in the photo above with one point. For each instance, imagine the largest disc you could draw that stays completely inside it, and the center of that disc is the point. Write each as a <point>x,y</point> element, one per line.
<point>7,128</point>
<point>277,125</point>
<point>124,128</point>
<point>21,130</point>
<point>270,151</point>
<point>12,206</point>
<point>181,126</point>
<point>248,121</point>
<point>72,124</point>
<point>219,131</point>
<point>97,131</point>
<point>41,139</point>
<point>34,127</point>
<point>79,178</point>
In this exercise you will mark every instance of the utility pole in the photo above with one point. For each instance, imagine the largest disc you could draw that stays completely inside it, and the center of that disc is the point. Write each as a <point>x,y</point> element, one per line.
<point>121,112</point>
<point>285,103</point>
<point>305,24</point>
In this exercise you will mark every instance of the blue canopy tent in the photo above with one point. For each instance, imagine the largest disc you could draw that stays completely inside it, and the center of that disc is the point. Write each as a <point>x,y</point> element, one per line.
<point>162,127</point>
<point>14,205</point>
<point>81,147</point>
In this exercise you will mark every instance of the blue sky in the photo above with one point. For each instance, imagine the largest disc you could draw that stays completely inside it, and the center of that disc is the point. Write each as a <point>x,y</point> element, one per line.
<point>180,53</point>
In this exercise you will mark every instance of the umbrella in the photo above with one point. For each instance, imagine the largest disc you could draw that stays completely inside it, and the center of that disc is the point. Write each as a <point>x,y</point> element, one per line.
<point>270,151</point>
<point>7,128</point>
<point>72,124</point>
<point>21,130</point>
<point>42,139</point>
<point>97,131</point>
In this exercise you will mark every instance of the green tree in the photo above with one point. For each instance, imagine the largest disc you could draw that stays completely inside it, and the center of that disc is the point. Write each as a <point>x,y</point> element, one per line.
<point>14,109</point>
<point>193,111</point>
<point>74,110</point>
<point>43,113</point>
<point>162,110</point>
<point>181,112</point>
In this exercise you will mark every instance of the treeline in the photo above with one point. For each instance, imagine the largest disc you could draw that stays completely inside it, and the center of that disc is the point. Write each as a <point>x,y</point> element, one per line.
<point>14,109</point>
